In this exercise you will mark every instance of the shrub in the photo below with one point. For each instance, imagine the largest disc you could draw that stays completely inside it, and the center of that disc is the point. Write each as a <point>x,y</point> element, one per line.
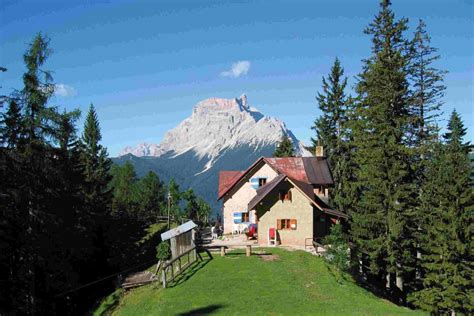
<point>337,254</point>
<point>163,251</point>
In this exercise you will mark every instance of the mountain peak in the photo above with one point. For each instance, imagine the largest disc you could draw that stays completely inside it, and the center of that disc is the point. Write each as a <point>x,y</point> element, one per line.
<point>221,105</point>
<point>217,125</point>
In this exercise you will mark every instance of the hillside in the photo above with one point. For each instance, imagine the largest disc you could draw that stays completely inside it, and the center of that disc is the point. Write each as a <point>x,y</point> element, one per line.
<point>278,282</point>
<point>220,134</point>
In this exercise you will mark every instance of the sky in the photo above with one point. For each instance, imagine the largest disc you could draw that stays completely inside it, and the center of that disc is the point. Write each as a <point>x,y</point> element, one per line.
<point>145,64</point>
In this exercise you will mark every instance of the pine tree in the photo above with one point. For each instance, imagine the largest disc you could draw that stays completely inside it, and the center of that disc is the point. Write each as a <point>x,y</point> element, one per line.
<point>284,148</point>
<point>333,133</point>
<point>175,198</point>
<point>151,197</point>
<point>448,204</point>
<point>192,207</point>
<point>331,102</point>
<point>11,125</point>
<point>381,221</point>
<point>96,166</point>
<point>125,200</point>
<point>427,91</point>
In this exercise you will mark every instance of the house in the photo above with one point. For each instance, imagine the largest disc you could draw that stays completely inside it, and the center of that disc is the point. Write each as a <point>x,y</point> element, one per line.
<point>288,194</point>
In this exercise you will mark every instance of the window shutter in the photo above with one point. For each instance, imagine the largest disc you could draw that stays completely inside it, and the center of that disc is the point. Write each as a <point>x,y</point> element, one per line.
<point>254,183</point>
<point>293,223</point>
<point>289,196</point>
<point>237,218</point>
<point>278,223</point>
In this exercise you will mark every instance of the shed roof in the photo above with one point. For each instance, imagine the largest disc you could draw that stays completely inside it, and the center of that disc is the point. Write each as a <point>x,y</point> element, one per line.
<point>181,229</point>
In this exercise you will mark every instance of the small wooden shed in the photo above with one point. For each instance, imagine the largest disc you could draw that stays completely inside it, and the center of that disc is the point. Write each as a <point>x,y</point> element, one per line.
<point>181,238</point>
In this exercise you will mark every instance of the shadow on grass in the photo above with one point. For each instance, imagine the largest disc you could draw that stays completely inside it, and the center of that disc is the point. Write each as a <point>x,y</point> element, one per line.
<point>203,310</point>
<point>189,272</point>
<point>109,304</point>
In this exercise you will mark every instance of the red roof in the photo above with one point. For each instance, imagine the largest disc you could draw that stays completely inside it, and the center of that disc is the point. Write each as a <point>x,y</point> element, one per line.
<point>292,167</point>
<point>227,179</point>
<point>311,170</point>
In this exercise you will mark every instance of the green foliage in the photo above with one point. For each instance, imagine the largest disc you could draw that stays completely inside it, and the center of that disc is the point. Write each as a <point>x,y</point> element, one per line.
<point>337,254</point>
<point>151,197</point>
<point>11,125</point>
<point>284,148</point>
<point>204,210</point>
<point>447,221</point>
<point>381,223</point>
<point>192,207</point>
<point>125,200</point>
<point>333,133</point>
<point>163,251</point>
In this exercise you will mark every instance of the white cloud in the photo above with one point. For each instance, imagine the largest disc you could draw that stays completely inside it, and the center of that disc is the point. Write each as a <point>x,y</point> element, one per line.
<point>63,90</point>
<point>240,68</point>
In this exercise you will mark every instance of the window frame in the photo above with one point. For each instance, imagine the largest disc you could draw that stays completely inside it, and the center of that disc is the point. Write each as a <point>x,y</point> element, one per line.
<point>287,223</point>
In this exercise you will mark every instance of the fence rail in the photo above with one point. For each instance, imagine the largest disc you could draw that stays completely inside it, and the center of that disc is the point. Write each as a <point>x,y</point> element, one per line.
<point>171,269</point>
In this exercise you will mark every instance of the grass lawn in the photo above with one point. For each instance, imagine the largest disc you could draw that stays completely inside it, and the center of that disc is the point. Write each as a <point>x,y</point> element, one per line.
<point>293,283</point>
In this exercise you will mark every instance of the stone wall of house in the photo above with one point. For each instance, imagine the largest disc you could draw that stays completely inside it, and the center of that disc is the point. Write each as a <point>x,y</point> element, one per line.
<point>273,209</point>
<point>239,197</point>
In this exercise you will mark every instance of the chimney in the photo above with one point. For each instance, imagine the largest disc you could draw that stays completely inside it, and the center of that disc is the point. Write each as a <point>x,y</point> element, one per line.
<point>319,151</point>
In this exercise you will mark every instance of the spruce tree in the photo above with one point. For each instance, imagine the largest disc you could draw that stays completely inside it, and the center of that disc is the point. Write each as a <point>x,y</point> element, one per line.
<point>284,148</point>
<point>427,92</point>
<point>380,224</point>
<point>11,125</point>
<point>427,89</point>
<point>125,198</point>
<point>151,197</point>
<point>95,164</point>
<point>448,203</point>
<point>333,134</point>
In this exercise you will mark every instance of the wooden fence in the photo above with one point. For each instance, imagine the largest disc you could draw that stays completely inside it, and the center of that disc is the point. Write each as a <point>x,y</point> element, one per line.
<point>174,267</point>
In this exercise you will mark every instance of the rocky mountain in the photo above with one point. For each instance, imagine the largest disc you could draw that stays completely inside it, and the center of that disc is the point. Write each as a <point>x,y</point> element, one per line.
<point>220,134</point>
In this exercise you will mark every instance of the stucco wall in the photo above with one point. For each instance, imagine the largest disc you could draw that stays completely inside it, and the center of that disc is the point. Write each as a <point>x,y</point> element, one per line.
<point>239,197</point>
<point>273,209</point>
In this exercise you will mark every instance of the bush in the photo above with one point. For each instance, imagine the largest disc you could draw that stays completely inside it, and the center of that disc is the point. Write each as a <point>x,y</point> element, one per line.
<point>337,254</point>
<point>163,251</point>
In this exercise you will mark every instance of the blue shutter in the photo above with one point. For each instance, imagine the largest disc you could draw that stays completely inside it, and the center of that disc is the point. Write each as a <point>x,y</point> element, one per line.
<point>237,218</point>
<point>254,183</point>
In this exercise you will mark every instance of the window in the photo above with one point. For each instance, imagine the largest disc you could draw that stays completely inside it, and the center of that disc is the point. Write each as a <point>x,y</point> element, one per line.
<point>257,182</point>
<point>241,217</point>
<point>284,195</point>
<point>286,224</point>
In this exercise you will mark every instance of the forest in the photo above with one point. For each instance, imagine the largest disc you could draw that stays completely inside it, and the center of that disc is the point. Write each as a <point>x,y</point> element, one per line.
<point>71,221</point>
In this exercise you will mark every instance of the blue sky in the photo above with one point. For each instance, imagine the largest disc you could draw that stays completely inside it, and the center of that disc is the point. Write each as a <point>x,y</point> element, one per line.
<point>144,64</point>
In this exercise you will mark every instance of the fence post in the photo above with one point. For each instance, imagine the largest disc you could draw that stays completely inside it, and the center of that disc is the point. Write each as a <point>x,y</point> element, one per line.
<point>164,277</point>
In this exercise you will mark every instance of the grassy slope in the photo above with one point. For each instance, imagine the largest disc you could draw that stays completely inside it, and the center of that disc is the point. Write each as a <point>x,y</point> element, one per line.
<point>297,284</point>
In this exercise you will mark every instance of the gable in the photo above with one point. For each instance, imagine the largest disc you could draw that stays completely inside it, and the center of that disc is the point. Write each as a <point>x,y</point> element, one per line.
<point>310,170</point>
<point>260,169</point>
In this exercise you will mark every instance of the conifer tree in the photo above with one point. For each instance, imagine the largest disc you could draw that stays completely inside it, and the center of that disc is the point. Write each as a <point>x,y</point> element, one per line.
<point>11,125</point>
<point>380,224</point>
<point>333,133</point>
<point>124,201</point>
<point>95,164</point>
<point>151,197</point>
<point>427,91</point>
<point>448,203</point>
<point>284,148</point>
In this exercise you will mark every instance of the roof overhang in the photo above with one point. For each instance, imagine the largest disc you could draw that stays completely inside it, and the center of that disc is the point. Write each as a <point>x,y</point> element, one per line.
<point>305,189</point>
